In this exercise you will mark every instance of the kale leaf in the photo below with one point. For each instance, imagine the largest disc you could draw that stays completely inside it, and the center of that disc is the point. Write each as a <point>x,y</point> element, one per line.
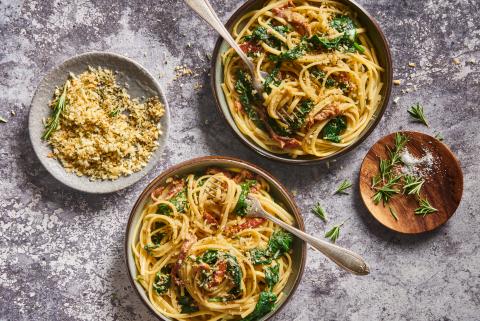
<point>187,303</point>
<point>280,242</point>
<point>265,304</point>
<point>271,79</point>
<point>259,256</point>
<point>244,88</point>
<point>235,272</point>
<point>334,128</point>
<point>272,275</point>
<point>179,201</point>
<point>291,54</point>
<point>261,34</point>
<point>242,206</point>
<point>210,256</point>
<point>161,283</point>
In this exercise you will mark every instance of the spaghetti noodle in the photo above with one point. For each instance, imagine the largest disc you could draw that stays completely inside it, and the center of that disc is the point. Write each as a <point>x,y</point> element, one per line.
<point>323,84</point>
<point>199,257</point>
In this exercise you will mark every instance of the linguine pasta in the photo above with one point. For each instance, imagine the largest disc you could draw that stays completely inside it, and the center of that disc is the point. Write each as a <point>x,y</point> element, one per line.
<point>324,81</point>
<point>199,257</point>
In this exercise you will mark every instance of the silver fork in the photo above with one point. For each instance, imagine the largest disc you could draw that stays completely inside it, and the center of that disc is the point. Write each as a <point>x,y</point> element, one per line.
<point>344,258</point>
<point>206,11</point>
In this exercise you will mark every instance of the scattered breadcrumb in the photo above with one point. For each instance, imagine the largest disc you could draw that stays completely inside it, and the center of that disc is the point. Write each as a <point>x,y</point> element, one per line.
<point>3,120</point>
<point>397,82</point>
<point>472,61</point>
<point>103,133</point>
<point>456,61</point>
<point>412,64</point>
<point>197,86</point>
<point>181,71</point>
<point>396,99</point>
<point>13,113</point>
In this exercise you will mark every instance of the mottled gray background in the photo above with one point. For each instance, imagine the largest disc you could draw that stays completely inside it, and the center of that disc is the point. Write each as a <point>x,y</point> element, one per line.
<point>61,251</point>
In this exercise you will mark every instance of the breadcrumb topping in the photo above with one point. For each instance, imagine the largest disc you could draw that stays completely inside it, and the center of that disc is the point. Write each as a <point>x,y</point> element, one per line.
<point>103,133</point>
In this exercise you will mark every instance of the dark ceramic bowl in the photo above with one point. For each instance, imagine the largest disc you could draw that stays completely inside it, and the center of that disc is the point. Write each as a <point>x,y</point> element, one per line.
<point>382,50</point>
<point>278,191</point>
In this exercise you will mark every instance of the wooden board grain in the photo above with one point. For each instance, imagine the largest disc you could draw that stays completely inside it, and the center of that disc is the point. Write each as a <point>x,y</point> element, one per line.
<point>443,186</point>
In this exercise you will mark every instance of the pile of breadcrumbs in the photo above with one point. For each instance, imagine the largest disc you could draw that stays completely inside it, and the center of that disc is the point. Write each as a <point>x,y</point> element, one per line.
<point>103,133</point>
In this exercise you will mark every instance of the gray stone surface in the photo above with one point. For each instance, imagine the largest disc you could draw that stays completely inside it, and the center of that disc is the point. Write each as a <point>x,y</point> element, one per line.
<point>61,251</point>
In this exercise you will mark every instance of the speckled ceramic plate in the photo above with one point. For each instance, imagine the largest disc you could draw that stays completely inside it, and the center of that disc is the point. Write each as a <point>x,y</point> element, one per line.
<point>379,43</point>
<point>277,190</point>
<point>140,84</point>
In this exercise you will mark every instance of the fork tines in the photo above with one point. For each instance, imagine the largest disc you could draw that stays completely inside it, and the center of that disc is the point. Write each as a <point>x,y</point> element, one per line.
<point>212,186</point>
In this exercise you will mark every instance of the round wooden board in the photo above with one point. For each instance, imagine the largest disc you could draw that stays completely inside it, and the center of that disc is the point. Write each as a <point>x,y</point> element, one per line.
<point>443,187</point>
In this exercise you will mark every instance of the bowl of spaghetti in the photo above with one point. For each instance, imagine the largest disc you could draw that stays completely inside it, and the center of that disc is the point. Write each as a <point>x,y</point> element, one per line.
<point>193,254</point>
<point>329,78</point>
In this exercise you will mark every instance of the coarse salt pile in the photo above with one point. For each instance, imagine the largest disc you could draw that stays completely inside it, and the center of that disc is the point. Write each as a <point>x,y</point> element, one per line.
<point>419,167</point>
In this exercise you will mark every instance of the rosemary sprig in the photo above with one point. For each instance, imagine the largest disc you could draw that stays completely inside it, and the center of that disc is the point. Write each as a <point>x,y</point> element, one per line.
<point>346,184</point>
<point>387,191</point>
<point>425,208</point>
<point>439,136</point>
<point>334,232</point>
<point>394,213</point>
<point>412,185</point>
<point>59,108</point>
<point>320,212</point>
<point>2,120</point>
<point>416,111</point>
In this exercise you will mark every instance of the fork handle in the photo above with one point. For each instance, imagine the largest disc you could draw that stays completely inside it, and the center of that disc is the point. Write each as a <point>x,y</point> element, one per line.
<point>206,11</point>
<point>344,258</point>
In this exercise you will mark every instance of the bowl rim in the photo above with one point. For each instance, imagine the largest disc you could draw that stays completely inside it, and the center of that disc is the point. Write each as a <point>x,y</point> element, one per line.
<point>222,161</point>
<point>356,8</point>
<point>108,186</point>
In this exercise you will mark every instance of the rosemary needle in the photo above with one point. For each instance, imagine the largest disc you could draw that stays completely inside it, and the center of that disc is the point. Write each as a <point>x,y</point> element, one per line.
<point>425,208</point>
<point>343,186</point>
<point>394,213</point>
<point>57,111</point>
<point>416,111</point>
<point>320,212</point>
<point>334,232</point>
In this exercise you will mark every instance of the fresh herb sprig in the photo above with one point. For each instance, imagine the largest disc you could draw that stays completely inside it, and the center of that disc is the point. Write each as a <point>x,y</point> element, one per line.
<point>387,191</point>
<point>334,232</point>
<point>320,212</point>
<point>346,184</point>
<point>412,185</point>
<point>416,111</point>
<point>394,213</point>
<point>57,111</point>
<point>425,207</point>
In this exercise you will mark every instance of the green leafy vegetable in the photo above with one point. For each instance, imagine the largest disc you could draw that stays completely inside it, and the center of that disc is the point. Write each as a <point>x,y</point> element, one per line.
<point>179,201</point>
<point>210,256</point>
<point>425,208</point>
<point>259,256</point>
<point>157,238</point>
<point>291,54</point>
<point>242,205</point>
<point>187,303</point>
<point>261,34</point>
<point>320,212</point>
<point>57,111</point>
<point>258,34</point>
<point>272,275</point>
<point>416,111</point>
<point>235,272</point>
<point>265,304</point>
<point>271,79</point>
<point>280,242</point>
<point>346,184</point>
<point>334,128</point>
<point>244,88</point>
<point>161,283</point>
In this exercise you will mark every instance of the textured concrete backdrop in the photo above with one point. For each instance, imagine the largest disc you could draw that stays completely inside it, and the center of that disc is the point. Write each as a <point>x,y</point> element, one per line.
<point>61,252</point>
